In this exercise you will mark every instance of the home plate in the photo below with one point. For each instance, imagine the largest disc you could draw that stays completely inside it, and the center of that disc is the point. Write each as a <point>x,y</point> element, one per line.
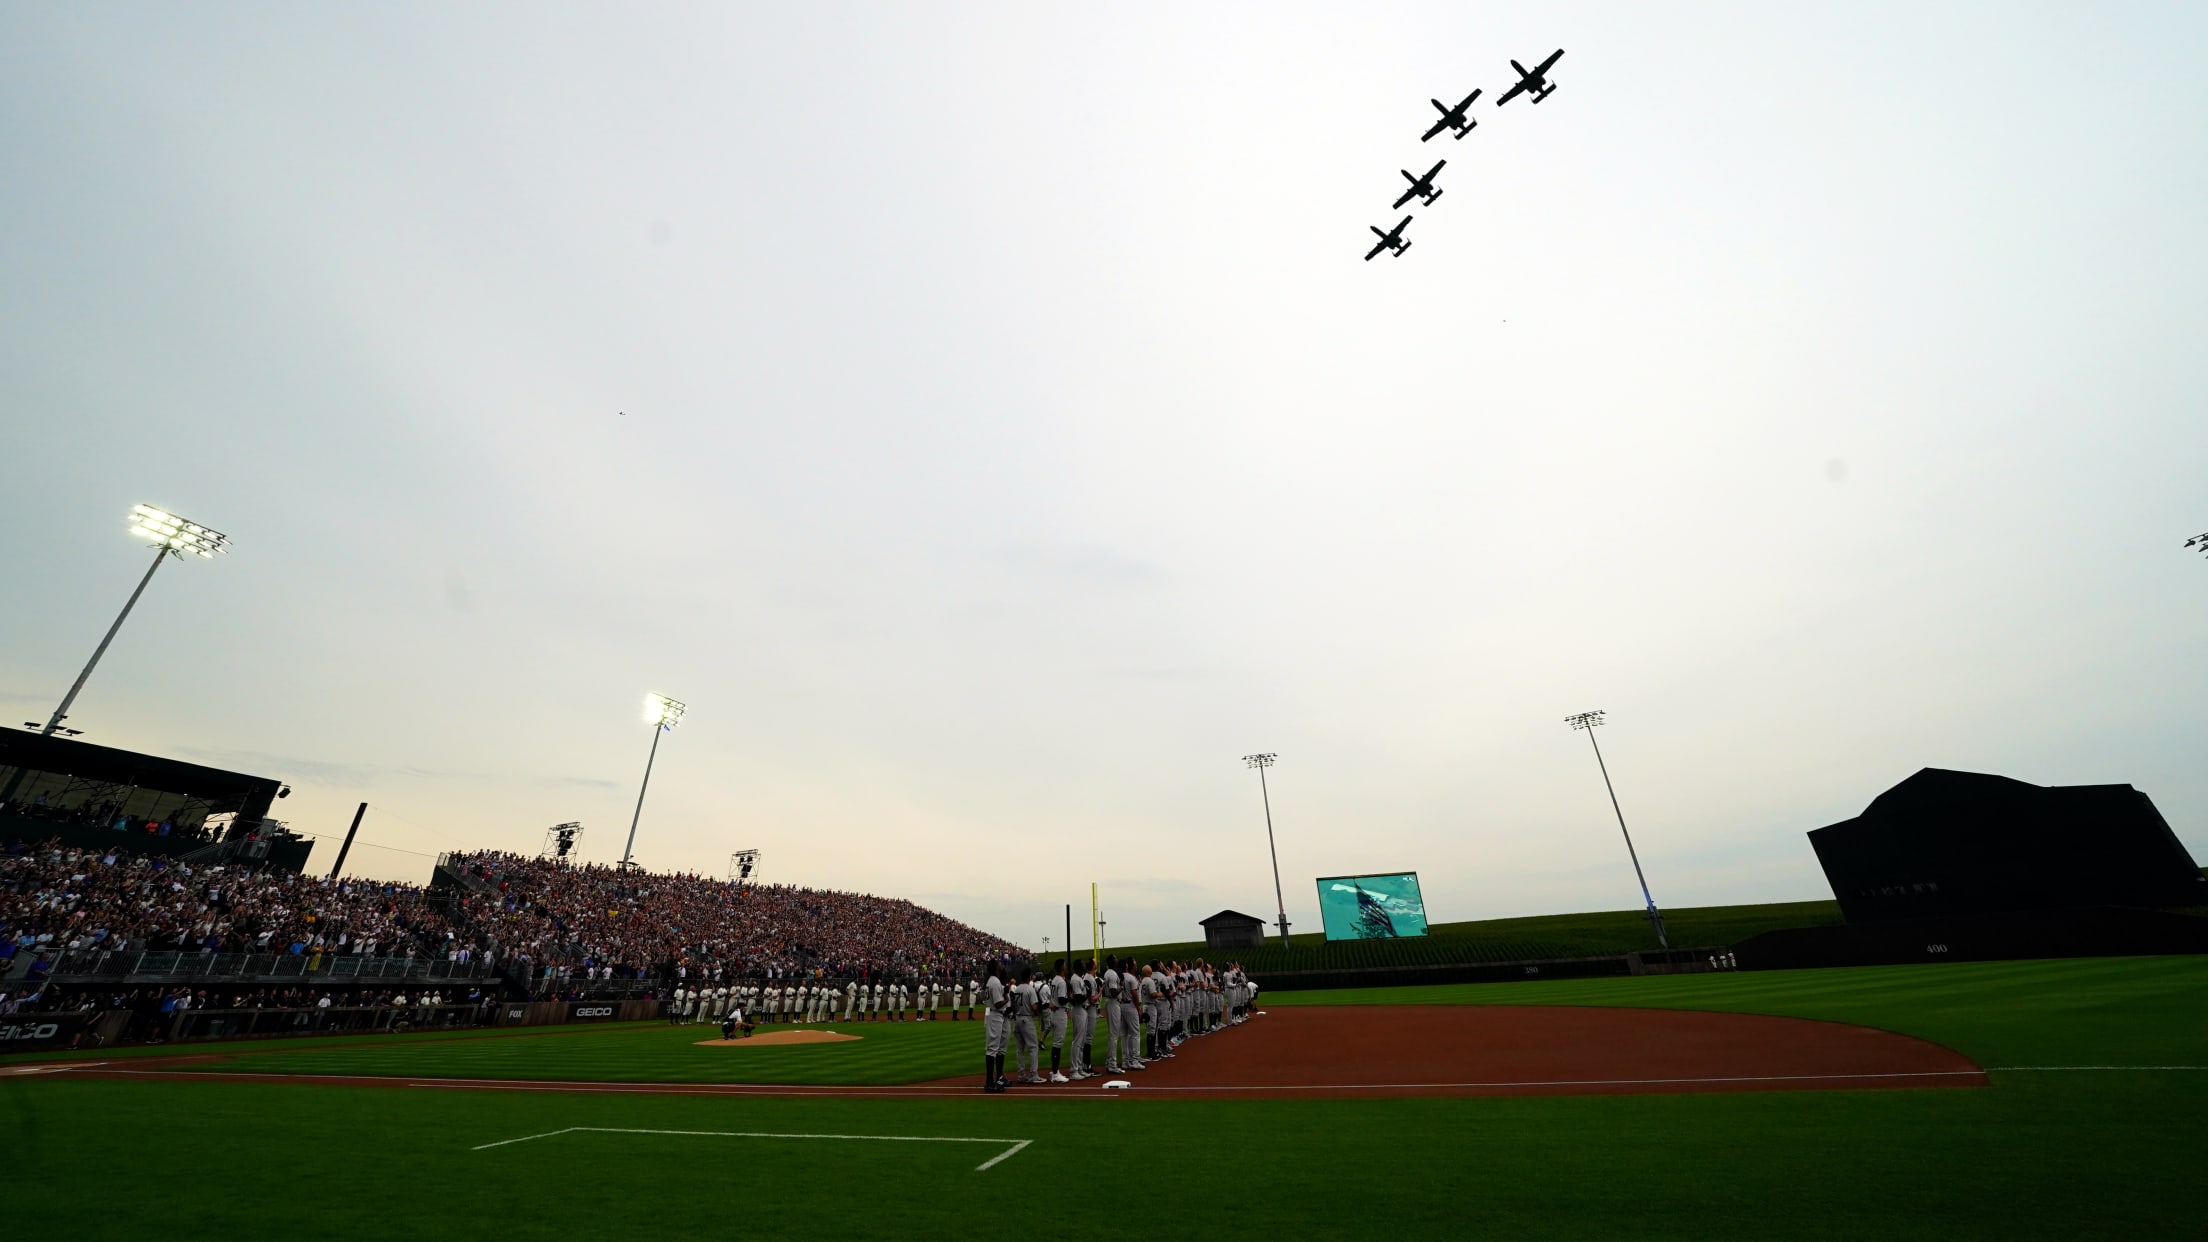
<point>778,1038</point>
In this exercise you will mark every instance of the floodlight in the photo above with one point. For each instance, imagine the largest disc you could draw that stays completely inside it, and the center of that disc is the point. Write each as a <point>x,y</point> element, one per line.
<point>1261,762</point>
<point>1588,721</point>
<point>170,536</point>
<point>663,714</point>
<point>663,711</point>
<point>175,533</point>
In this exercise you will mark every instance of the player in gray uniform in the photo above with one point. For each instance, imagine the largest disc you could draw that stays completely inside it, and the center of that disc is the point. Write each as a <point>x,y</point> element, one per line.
<point>1107,999</point>
<point>1081,1017</point>
<point>1026,1050</point>
<point>1054,995</point>
<point>993,1032</point>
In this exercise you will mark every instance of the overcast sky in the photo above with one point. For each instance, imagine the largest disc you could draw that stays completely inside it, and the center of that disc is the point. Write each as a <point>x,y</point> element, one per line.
<point>982,416</point>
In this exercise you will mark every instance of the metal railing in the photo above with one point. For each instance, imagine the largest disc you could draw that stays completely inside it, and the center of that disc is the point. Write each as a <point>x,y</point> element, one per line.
<point>88,965</point>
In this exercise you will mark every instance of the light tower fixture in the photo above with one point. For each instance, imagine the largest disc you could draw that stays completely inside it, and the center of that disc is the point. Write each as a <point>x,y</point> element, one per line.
<point>560,841</point>
<point>175,533</point>
<point>1262,762</point>
<point>170,535</point>
<point>2198,541</point>
<point>1590,721</point>
<point>743,866</point>
<point>663,714</point>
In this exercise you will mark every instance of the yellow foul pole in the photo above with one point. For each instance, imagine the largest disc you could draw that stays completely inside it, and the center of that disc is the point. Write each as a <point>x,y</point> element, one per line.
<point>1096,951</point>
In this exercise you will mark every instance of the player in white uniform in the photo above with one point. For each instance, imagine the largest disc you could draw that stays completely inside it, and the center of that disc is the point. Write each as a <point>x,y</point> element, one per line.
<point>1026,1049</point>
<point>1084,1022</point>
<point>1054,996</point>
<point>993,1033</point>
<point>1115,1022</point>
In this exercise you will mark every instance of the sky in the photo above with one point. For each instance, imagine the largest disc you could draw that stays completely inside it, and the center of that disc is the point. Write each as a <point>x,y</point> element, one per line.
<point>983,418</point>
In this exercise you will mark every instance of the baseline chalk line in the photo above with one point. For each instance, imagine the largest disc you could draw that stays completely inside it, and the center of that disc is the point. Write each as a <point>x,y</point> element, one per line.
<point>1013,1146</point>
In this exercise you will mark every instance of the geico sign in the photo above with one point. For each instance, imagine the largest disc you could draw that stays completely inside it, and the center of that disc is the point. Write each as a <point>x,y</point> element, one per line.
<point>594,1011</point>
<point>41,1030</point>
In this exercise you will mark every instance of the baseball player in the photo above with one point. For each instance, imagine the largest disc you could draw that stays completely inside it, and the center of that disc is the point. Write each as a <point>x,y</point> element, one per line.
<point>1026,1050</point>
<point>993,1032</point>
<point>1115,1022</point>
<point>1054,997</point>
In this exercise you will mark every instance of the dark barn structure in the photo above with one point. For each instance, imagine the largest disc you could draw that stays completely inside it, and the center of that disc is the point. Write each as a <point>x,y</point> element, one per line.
<point>1231,929</point>
<point>1944,844</point>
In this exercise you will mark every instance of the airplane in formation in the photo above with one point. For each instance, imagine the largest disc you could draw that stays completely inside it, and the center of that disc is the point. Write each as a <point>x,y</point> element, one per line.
<point>1457,118</point>
<point>1422,186</point>
<point>1535,79</point>
<point>1390,240</point>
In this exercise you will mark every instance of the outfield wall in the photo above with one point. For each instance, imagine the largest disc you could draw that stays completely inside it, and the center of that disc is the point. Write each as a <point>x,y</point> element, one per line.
<point>2103,931</point>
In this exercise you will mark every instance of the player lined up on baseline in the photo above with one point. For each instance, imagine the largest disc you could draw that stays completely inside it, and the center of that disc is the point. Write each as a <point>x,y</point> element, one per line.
<point>1148,1011</point>
<point>828,1000</point>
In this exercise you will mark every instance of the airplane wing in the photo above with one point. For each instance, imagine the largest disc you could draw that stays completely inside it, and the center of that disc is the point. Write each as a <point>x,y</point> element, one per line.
<point>1511,94</point>
<point>1412,193</point>
<point>1439,126</point>
<point>1370,254</point>
<point>1468,100</point>
<point>1543,67</point>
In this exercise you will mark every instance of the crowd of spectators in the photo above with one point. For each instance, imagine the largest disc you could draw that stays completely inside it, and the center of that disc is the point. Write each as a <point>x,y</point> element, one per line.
<point>563,928</point>
<point>56,899</point>
<point>611,924</point>
<point>108,813</point>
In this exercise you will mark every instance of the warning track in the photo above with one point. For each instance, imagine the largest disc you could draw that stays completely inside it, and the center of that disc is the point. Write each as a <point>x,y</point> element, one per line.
<point>1350,1051</point>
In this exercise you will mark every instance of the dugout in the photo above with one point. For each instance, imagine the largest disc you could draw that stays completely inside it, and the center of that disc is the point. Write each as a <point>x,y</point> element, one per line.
<point>1945,844</point>
<point>80,792</point>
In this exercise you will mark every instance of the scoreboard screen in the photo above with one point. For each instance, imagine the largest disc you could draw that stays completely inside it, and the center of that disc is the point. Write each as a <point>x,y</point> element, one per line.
<point>1372,907</point>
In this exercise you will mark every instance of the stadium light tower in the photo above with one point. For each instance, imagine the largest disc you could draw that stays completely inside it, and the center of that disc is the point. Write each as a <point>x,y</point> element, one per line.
<point>2198,541</point>
<point>170,536</point>
<point>1589,721</point>
<point>1262,762</point>
<point>663,714</point>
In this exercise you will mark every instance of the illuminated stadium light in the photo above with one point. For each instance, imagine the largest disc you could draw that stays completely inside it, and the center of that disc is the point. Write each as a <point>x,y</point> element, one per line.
<point>170,536</point>
<point>175,533</point>
<point>663,711</point>
<point>1590,721</point>
<point>1262,762</point>
<point>663,714</point>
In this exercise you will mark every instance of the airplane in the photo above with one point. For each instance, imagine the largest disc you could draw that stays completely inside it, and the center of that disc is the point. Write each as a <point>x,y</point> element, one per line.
<point>1390,240</point>
<point>1534,79</point>
<point>1452,118</point>
<point>1422,187</point>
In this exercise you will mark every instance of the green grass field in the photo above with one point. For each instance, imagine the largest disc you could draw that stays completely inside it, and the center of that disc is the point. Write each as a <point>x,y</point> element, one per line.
<point>2045,1152</point>
<point>1601,933</point>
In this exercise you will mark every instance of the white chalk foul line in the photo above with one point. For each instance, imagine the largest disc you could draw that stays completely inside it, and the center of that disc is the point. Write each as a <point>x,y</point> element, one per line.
<point>1014,1148</point>
<point>2055,1069</point>
<point>1571,1082</point>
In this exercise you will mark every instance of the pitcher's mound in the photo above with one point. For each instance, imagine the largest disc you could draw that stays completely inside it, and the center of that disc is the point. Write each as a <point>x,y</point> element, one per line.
<point>773,1038</point>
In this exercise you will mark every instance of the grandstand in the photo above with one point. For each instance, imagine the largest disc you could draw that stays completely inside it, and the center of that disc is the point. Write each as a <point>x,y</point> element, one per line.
<point>143,945</point>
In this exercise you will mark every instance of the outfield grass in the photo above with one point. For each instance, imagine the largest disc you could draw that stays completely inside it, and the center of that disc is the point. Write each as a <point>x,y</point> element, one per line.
<point>2039,1154</point>
<point>2120,1010</point>
<point>1602,933</point>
